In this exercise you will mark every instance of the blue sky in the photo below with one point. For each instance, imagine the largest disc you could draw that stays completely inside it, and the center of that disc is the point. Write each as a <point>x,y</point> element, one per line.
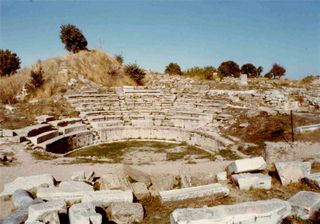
<point>155,33</point>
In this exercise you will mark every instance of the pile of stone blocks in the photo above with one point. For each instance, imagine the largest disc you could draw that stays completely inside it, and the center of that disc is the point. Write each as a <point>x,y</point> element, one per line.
<point>240,173</point>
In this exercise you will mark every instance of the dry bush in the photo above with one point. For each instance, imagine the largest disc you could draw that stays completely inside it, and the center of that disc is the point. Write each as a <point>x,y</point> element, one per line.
<point>11,86</point>
<point>93,65</point>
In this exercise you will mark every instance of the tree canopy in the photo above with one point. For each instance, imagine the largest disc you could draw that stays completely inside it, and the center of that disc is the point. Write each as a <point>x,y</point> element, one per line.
<point>229,68</point>
<point>173,69</point>
<point>9,62</point>
<point>72,38</point>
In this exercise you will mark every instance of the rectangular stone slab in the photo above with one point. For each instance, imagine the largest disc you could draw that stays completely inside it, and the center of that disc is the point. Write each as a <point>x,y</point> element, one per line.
<point>305,203</point>
<point>105,197</point>
<point>38,211</point>
<point>245,181</point>
<point>258,212</point>
<point>194,192</point>
<point>292,171</point>
<point>247,165</point>
<point>27,183</point>
<point>313,179</point>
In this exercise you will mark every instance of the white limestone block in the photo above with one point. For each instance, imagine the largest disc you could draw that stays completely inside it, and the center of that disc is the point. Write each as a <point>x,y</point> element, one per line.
<point>70,191</point>
<point>313,179</point>
<point>84,213</point>
<point>258,212</point>
<point>78,175</point>
<point>217,190</point>
<point>125,213</point>
<point>38,212</point>
<point>293,171</point>
<point>113,181</point>
<point>27,183</point>
<point>140,190</point>
<point>245,181</point>
<point>105,197</point>
<point>247,165</point>
<point>21,198</point>
<point>305,203</point>
<point>222,176</point>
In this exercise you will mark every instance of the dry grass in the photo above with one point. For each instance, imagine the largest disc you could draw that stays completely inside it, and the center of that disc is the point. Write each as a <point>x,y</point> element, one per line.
<point>94,65</point>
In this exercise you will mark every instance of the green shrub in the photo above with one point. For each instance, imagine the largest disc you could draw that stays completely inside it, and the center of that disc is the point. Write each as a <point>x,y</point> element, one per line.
<point>9,62</point>
<point>135,72</point>
<point>205,73</point>
<point>173,69</point>
<point>72,38</point>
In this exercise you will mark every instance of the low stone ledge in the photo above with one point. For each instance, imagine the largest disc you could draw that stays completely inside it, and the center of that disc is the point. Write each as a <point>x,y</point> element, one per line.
<point>260,212</point>
<point>216,190</point>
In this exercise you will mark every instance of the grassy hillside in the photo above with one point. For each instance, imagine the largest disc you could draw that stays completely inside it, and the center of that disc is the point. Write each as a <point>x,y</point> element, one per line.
<point>94,65</point>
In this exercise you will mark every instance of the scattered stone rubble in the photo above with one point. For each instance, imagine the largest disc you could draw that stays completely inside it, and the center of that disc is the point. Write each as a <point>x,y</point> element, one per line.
<point>120,197</point>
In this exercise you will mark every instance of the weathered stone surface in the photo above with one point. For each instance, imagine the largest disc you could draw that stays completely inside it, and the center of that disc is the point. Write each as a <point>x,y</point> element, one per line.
<point>114,182</point>
<point>70,191</point>
<point>125,213</point>
<point>21,198</point>
<point>84,213</point>
<point>140,190</point>
<point>164,182</point>
<point>293,171</point>
<point>194,192</point>
<point>259,212</point>
<point>105,197</point>
<point>28,183</point>
<point>222,176</point>
<point>137,175</point>
<point>17,217</point>
<point>313,179</point>
<point>247,165</point>
<point>78,175</point>
<point>43,137</point>
<point>246,181</point>
<point>40,211</point>
<point>305,203</point>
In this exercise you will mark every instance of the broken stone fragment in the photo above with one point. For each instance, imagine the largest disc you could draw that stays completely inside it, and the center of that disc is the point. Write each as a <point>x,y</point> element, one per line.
<point>305,204</point>
<point>105,197</point>
<point>246,181</point>
<point>215,190</point>
<point>84,213</point>
<point>293,171</point>
<point>125,213</point>
<point>40,212</point>
<point>28,183</point>
<point>140,190</point>
<point>137,175</point>
<point>247,165</point>
<point>21,198</point>
<point>78,175</point>
<point>262,212</point>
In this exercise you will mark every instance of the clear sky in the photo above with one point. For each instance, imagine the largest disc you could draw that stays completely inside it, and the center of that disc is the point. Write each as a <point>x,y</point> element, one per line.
<point>155,33</point>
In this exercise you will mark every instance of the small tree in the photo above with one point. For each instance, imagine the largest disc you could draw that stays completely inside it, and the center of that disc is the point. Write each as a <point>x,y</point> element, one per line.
<point>249,69</point>
<point>173,69</point>
<point>72,38</point>
<point>119,58</point>
<point>9,62</point>
<point>277,71</point>
<point>37,77</point>
<point>135,72</point>
<point>268,75</point>
<point>229,68</point>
